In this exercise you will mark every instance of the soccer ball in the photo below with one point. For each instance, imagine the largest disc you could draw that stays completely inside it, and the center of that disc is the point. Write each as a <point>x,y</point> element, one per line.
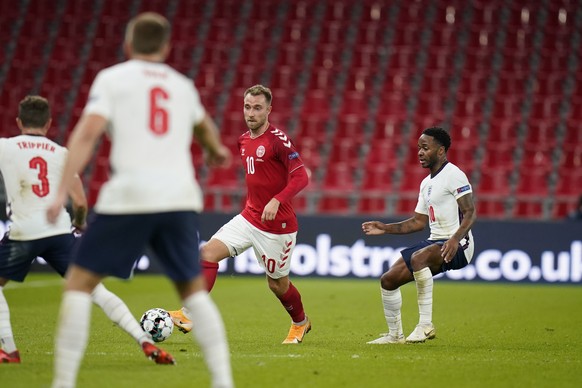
<point>157,323</point>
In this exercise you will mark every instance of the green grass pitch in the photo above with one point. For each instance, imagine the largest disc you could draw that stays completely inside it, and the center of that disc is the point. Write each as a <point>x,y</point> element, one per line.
<point>488,335</point>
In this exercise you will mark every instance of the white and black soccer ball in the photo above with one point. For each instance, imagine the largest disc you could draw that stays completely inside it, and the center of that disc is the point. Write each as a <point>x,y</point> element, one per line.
<point>157,323</point>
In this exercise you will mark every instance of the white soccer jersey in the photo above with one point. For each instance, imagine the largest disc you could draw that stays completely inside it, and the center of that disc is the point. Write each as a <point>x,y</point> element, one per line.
<point>151,109</point>
<point>438,199</point>
<point>32,167</point>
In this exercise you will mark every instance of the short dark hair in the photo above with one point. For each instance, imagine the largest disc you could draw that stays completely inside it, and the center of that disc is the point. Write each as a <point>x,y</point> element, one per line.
<point>34,112</point>
<point>148,32</point>
<point>257,90</point>
<point>440,135</point>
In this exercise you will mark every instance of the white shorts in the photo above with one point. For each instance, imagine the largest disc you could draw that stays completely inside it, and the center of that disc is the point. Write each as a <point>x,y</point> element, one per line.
<point>273,251</point>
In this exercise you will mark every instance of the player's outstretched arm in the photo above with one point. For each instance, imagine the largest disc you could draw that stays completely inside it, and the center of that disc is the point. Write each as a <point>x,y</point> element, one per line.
<point>414,224</point>
<point>81,145</point>
<point>206,132</point>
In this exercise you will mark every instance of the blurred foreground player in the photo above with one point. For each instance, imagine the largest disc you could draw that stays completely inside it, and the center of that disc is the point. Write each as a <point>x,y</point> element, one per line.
<point>152,199</point>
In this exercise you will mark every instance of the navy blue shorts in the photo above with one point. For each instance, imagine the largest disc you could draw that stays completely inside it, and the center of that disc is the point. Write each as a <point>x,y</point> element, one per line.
<point>16,257</point>
<point>113,243</point>
<point>459,260</point>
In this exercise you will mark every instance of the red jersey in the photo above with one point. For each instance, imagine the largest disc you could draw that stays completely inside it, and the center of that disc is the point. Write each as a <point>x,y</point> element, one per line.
<point>268,160</point>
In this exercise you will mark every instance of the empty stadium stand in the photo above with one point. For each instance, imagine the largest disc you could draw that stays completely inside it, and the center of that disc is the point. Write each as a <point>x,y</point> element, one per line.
<point>354,83</point>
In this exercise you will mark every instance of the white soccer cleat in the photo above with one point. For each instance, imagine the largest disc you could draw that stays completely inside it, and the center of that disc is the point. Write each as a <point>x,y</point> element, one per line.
<point>421,333</point>
<point>388,339</point>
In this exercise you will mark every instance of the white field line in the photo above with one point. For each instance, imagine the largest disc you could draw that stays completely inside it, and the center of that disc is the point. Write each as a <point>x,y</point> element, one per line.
<point>195,355</point>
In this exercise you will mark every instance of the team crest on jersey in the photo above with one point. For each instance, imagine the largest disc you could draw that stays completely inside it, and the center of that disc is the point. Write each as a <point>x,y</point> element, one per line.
<point>260,151</point>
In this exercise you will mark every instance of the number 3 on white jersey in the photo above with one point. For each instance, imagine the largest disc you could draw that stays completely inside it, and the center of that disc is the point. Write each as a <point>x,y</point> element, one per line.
<point>38,163</point>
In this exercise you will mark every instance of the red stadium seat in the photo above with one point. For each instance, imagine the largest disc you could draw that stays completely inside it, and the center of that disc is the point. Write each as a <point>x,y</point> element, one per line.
<point>571,158</point>
<point>310,152</point>
<point>491,208</point>
<point>372,34</point>
<point>367,56</point>
<point>360,81</point>
<point>382,152</point>
<point>494,182</point>
<point>431,106</point>
<point>377,177</point>
<point>506,107</point>
<point>224,177</point>
<point>478,60</point>
<point>388,128</point>
<point>327,56</point>
<point>533,183</point>
<point>345,151</point>
<point>569,183</point>
<point>291,54</point>
<point>339,176</point>
<point>463,156</point>
<point>372,204</point>
<point>338,204</point>
<point>474,82</point>
<point>573,137</point>
<point>440,59</point>
<point>546,108</point>
<point>316,104</point>
<point>392,106</point>
<point>356,104</point>
<point>403,58</point>
<point>564,206</point>
<point>528,209</point>
<point>411,178</point>
<point>498,156</point>
<point>220,201</point>
<point>502,133</point>
<point>283,77</point>
<point>334,32</point>
<point>405,205</point>
<point>470,106</point>
<point>436,83</point>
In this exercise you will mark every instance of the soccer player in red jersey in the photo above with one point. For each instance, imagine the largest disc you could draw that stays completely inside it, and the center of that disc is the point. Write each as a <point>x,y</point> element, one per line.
<point>274,174</point>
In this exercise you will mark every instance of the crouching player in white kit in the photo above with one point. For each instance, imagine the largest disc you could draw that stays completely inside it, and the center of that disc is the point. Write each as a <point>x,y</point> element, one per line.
<point>446,204</point>
<point>31,166</point>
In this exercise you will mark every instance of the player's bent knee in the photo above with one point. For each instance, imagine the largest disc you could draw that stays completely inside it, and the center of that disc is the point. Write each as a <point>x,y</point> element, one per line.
<point>214,251</point>
<point>387,283</point>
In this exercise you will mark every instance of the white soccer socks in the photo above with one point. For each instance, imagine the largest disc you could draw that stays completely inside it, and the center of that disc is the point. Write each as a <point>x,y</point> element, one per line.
<point>6,336</point>
<point>424,283</point>
<point>209,331</point>
<point>72,337</point>
<point>118,312</point>
<point>392,303</point>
